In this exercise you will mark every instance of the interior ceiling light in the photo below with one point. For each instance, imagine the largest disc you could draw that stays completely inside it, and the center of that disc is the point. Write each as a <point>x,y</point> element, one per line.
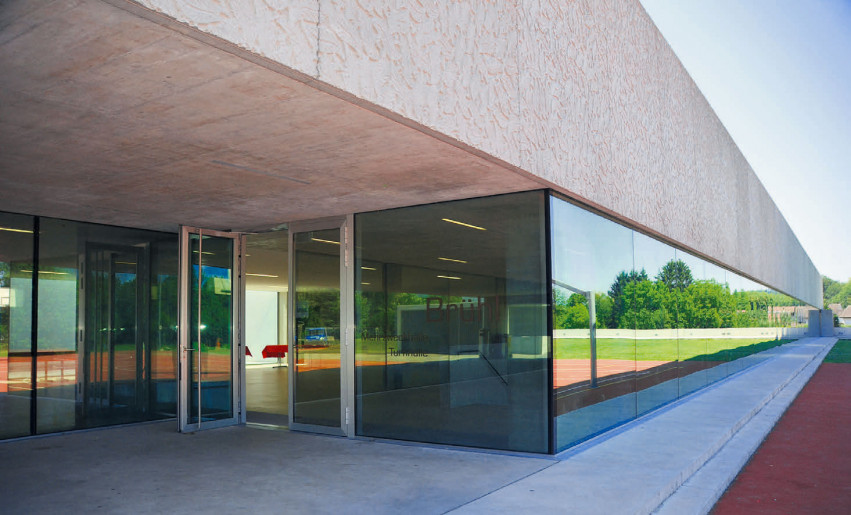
<point>453,260</point>
<point>205,253</point>
<point>261,172</point>
<point>124,263</point>
<point>367,268</point>
<point>449,277</point>
<point>462,223</point>
<point>365,284</point>
<point>262,275</point>
<point>10,229</point>
<point>45,272</point>
<point>325,241</point>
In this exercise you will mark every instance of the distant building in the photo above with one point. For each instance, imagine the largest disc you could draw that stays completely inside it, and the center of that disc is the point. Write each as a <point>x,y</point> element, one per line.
<point>845,316</point>
<point>797,314</point>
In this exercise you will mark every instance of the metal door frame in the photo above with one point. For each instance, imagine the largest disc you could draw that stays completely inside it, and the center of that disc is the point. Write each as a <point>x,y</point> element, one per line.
<point>238,332</point>
<point>347,349</point>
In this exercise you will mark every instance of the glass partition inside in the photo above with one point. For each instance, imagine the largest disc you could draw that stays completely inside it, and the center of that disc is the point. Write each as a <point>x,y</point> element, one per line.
<point>451,323</point>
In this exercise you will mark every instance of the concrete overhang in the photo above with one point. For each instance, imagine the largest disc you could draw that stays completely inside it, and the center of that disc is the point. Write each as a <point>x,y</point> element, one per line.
<point>112,113</point>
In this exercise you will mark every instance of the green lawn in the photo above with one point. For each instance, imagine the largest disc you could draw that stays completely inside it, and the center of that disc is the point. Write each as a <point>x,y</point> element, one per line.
<point>840,353</point>
<point>699,349</point>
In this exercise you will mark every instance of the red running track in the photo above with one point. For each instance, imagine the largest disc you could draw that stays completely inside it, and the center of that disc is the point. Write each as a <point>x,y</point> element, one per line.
<point>804,465</point>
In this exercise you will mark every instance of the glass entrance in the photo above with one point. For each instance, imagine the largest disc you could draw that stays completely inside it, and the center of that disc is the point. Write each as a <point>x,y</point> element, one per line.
<point>317,329</point>
<point>210,336</point>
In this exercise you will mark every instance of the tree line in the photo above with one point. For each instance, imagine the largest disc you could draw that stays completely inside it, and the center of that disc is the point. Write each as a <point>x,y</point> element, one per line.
<point>673,299</point>
<point>836,292</point>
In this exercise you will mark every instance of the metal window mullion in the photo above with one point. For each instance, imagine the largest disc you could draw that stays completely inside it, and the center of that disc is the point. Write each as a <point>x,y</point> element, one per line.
<point>198,327</point>
<point>34,328</point>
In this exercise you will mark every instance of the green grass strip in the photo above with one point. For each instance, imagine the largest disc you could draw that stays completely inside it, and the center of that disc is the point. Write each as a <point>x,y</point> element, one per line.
<point>840,353</point>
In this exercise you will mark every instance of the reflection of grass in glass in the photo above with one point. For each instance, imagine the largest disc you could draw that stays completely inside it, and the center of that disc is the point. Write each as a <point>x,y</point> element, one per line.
<point>224,349</point>
<point>698,349</point>
<point>840,353</point>
<point>373,346</point>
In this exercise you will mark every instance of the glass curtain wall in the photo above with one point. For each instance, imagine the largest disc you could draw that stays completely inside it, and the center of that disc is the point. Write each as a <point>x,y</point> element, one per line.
<point>452,323</point>
<point>663,323</point>
<point>104,325</point>
<point>594,365</point>
<point>16,363</point>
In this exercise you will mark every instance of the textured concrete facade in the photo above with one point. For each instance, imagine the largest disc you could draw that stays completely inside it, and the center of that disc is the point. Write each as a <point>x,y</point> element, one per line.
<point>586,95</point>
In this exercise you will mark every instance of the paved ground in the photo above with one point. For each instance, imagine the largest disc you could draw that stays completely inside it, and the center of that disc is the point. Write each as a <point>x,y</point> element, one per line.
<point>678,460</point>
<point>804,466</point>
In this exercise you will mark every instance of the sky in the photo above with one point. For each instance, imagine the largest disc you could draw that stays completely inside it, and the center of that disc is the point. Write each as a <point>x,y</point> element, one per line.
<point>778,75</point>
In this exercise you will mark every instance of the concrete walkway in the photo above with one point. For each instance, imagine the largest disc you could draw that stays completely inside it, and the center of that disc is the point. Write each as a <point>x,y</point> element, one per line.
<point>678,460</point>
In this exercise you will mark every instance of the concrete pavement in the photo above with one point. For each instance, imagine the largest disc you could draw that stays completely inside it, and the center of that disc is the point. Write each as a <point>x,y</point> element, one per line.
<point>677,460</point>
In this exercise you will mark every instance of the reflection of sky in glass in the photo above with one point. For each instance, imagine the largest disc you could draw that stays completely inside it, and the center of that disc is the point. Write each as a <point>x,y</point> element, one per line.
<point>588,250</point>
<point>716,273</point>
<point>125,277</point>
<point>651,255</point>
<point>694,263</point>
<point>213,271</point>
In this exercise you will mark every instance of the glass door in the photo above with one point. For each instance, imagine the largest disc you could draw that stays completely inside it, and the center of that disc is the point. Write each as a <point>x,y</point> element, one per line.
<point>210,329</point>
<point>318,332</point>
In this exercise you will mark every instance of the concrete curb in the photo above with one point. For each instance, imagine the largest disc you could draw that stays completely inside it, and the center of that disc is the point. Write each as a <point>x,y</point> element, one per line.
<point>702,489</point>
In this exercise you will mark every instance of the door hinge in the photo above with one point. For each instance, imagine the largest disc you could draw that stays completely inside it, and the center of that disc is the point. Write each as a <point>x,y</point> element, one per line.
<point>346,245</point>
<point>347,416</point>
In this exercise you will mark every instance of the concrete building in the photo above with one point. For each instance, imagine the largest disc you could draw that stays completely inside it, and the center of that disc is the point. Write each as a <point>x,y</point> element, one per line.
<point>401,203</point>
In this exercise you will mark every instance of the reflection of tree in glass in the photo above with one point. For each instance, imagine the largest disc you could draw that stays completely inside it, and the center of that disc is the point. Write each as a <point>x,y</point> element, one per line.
<point>675,274</point>
<point>376,312</point>
<point>216,310</point>
<point>324,311</point>
<point>571,312</point>
<point>676,300</point>
<point>616,294</point>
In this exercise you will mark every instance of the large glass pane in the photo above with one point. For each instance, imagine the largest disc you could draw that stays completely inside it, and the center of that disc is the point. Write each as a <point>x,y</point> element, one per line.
<point>58,361</point>
<point>211,329</point>
<point>162,328</point>
<point>266,289</point>
<point>651,305</point>
<point>593,339</point>
<point>101,360</point>
<point>693,295</point>
<point>16,268</point>
<point>317,327</point>
<point>451,323</point>
<point>715,316</point>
